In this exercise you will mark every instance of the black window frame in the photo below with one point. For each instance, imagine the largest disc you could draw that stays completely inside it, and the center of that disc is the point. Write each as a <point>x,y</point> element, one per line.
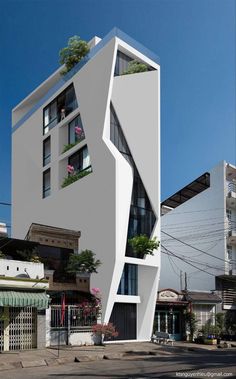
<point>58,118</point>
<point>46,191</point>
<point>47,158</point>
<point>78,153</point>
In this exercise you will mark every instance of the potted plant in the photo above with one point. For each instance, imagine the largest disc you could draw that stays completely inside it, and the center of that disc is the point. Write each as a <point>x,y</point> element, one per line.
<point>101,331</point>
<point>142,245</point>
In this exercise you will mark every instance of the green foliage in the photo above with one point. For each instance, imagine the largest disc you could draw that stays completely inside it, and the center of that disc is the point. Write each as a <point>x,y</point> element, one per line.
<point>73,178</point>
<point>142,245</point>
<point>83,262</point>
<point>210,330</point>
<point>28,255</point>
<point>220,321</point>
<point>69,146</point>
<point>2,255</point>
<point>191,323</point>
<point>73,53</point>
<point>230,322</point>
<point>135,67</point>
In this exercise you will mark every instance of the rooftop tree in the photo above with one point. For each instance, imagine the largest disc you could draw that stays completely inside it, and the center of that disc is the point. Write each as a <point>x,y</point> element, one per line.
<point>72,54</point>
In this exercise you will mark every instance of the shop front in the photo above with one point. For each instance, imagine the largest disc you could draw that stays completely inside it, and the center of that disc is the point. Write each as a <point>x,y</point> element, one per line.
<point>170,314</point>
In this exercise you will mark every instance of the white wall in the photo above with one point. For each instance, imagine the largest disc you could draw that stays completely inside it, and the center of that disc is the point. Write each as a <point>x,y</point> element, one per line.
<point>199,222</point>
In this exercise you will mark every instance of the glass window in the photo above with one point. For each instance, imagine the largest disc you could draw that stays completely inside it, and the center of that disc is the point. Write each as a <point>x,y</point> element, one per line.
<point>80,160</point>
<point>46,151</point>
<point>46,183</point>
<point>59,108</point>
<point>129,280</point>
<point>75,130</point>
<point>122,61</point>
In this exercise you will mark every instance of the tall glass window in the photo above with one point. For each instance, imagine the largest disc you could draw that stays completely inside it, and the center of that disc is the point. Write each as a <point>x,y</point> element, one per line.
<point>59,108</point>
<point>80,160</point>
<point>46,183</point>
<point>142,217</point>
<point>46,151</point>
<point>129,280</point>
<point>75,130</point>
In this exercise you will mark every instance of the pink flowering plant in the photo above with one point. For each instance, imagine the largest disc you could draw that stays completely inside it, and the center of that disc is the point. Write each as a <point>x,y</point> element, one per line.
<point>79,136</point>
<point>74,175</point>
<point>106,330</point>
<point>88,312</point>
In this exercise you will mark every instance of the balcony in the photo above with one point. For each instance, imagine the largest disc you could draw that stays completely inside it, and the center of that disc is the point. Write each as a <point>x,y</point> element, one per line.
<point>231,195</point>
<point>232,236</point>
<point>22,274</point>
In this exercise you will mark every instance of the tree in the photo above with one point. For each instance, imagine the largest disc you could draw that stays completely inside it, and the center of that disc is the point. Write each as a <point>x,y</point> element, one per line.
<point>28,255</point>
<point>135,67</point>
<point>191,323</point>
<point>83,262</point>
<point>142,245</point>
<point>73,53</point>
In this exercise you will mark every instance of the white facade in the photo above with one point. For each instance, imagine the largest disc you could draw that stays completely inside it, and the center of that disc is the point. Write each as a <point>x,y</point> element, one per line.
<point>198,235</point>
<point>99,204</point>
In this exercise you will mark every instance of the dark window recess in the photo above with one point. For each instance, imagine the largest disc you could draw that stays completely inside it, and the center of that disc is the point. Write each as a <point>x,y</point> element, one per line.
<point>142,217</point>
<point>46,151</point>
<point>59,108</point>
<point>129,280</point>
<point>46,183</point>
<point>75,130</point>
<point>122,61</point>
<point>124,318</point>
<point>80,160</point>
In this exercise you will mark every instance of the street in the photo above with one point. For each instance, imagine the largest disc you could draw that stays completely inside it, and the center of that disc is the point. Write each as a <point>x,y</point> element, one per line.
<point>165,365</point>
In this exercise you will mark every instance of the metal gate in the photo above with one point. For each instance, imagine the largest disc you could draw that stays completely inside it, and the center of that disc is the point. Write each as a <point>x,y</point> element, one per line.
<point>22,328</point>
<point>1,330</point>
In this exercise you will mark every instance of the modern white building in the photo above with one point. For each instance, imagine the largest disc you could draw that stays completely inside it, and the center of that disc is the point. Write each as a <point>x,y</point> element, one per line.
<point>199,235</point>
<point>103,127</point>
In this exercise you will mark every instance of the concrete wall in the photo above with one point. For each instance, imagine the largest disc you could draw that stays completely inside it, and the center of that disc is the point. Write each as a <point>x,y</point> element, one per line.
<point>199,222</point>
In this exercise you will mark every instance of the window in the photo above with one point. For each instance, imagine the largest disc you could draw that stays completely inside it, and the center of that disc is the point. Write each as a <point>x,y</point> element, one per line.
<point>80,160</point>
<point>46,183</point>
<point>75,131</point>
<point>129,280</point>
<point>122,61</point>
<point>59,108</point>
<point>46,151</point>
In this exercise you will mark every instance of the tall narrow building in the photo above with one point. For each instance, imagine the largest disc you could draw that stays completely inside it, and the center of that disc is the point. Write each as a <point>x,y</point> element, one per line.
<point>86,156</point>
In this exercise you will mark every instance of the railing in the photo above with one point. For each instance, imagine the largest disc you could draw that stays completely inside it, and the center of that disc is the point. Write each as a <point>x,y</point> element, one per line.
<point>232,187</point>
<point>76,317</point>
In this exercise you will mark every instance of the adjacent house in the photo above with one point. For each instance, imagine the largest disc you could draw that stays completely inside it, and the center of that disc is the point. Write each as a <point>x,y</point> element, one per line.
<point>199,242</point>
<point>86,156</point>
<point>23,298</point>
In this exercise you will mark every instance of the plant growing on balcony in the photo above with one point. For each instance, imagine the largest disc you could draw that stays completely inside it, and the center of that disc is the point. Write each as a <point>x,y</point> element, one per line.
<point>74,176</point>
<point>79,137</point>
<point>2,255</point>
<point>84,262</point>
<point>135,67</point>
<point>142,245</point>
<point>28,255</point>
<point>72,54</point>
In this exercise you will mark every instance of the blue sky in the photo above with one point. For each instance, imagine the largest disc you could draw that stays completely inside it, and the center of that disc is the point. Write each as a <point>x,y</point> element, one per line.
<point>195,40</point>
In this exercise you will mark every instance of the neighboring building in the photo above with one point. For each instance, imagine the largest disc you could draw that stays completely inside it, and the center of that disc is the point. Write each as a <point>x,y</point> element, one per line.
<point>172,307</point>
<point>199,236</point>
<point>23,299</point>
<point>103,127</point>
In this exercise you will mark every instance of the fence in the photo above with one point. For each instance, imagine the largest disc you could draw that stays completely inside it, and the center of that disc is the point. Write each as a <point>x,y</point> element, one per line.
<point>77,320</point>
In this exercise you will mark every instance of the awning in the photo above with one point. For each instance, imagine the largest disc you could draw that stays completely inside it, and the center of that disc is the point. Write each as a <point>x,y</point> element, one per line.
<point>38,300</point>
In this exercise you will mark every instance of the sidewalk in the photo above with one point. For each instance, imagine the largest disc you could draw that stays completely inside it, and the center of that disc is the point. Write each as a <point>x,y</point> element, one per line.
<point>66,354</point>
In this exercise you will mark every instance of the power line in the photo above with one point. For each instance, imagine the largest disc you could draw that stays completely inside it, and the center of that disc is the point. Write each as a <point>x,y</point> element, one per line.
<point>195,248</point>
<point>186,261</point>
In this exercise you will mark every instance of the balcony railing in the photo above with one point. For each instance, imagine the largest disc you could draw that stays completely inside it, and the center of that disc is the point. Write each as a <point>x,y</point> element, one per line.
<point>232,187</point>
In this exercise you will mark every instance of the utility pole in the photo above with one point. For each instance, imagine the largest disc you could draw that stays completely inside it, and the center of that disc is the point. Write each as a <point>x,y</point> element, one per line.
<point>181,280</point>
<point>185,282</point>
